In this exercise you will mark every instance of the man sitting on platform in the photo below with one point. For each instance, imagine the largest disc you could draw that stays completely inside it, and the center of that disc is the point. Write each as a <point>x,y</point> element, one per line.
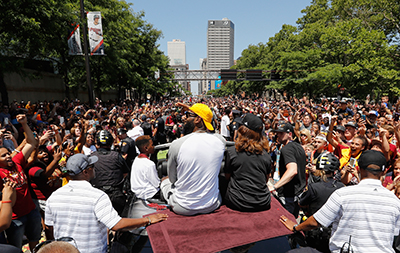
<point>194,162</point>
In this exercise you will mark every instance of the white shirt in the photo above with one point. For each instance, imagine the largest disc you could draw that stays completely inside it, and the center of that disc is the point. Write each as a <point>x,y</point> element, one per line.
<point>80,211</point>
<point>368,212</point>
<point>90,150</point>
<point>144,178</point>
<point>194,163</point>
<point>135,132</point>
<point>224,123</point>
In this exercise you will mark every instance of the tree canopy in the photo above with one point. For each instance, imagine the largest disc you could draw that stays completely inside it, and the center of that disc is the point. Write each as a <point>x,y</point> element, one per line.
<point>38,30</point>
<point>338,43</point>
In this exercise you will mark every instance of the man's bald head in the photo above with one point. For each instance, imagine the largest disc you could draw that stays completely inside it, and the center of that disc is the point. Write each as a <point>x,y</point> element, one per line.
<point>58,247</point>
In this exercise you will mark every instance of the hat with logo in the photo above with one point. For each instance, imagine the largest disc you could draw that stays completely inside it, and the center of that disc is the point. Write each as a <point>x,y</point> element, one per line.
<point>204,112</point>
<point>78,163</point>
<point>328,162</point>
<point>372,160</point>
<point>373,113</point>
<point>252,122</point>
<point>326,115</point>
<point>284,128</point>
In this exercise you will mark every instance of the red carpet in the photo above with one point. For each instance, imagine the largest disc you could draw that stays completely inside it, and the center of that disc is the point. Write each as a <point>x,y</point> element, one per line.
<point>217,231</point>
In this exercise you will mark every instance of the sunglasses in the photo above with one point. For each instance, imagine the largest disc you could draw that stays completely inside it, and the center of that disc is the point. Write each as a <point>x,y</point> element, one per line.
<point>62,239</point>
<point>190,114</point>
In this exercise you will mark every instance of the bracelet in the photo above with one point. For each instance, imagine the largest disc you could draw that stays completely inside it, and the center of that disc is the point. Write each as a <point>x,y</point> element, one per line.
<point>17,151</point>
<point>149,223</point>
<point>6,201</point>
<point>294,228</point>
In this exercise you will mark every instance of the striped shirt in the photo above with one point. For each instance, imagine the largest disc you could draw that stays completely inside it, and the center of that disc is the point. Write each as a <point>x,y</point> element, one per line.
<point>82,212</point>
<point>367,212</point>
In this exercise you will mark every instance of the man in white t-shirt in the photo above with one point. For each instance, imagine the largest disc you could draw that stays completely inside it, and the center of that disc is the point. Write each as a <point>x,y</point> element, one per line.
<point>80,211</point>
<point>136,131</point>
<point>225,121</point>
<point>145,182</point>
<point>194,163</point>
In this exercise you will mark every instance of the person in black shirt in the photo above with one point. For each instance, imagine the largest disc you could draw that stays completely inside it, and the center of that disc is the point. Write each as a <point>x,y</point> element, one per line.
<point>292,169</point>
<point>110,170</point>
<point>316,196</point>
<point>248,166</point>
<point>343,109</point>
<point>235,124</point>
<point>146,126</point>
<point>159,130</point>
<point>128,148</point>
<point>318,193</point>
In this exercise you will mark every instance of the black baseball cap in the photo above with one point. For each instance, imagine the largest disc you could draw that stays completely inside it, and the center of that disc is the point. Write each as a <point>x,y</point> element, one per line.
<point>252,122</point>
<point>121,131</point>
<point>372,157</point>
<point>284,128</point>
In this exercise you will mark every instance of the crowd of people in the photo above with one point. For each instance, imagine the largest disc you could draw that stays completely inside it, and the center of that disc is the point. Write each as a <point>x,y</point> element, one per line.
<point>69,170</point>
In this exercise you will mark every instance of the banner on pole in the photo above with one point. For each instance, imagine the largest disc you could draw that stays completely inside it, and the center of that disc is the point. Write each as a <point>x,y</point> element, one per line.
<point>74,41</point>
<point>95,33</point>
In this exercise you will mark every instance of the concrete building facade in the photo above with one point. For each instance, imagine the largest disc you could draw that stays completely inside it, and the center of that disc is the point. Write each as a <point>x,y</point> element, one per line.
<point>176,52</point>
<point>220,44</point>
<point>177,58</point>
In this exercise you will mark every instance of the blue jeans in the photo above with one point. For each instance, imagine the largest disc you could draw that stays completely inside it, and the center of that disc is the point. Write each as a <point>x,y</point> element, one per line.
<point>30,225</point>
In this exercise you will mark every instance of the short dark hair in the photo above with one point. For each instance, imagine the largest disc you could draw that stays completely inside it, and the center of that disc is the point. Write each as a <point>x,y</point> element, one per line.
<point>142,141</point>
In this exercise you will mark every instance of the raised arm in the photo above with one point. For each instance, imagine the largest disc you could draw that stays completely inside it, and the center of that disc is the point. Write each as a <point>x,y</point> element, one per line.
<point>329,137</point>
<point>31,142</point>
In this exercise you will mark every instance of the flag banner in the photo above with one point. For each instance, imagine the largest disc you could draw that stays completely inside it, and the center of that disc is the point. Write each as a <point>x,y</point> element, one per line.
<point>95,33</point>
<point>74,41</point>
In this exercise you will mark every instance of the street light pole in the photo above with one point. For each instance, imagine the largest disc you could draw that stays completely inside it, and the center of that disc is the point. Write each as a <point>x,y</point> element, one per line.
<point>85,48</point>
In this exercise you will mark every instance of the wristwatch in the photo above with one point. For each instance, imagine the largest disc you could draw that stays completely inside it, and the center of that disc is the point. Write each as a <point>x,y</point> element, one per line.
<point>294,228</point>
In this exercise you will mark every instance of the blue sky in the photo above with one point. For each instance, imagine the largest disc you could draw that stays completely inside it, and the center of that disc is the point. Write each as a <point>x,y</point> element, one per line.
<point>255,21</point>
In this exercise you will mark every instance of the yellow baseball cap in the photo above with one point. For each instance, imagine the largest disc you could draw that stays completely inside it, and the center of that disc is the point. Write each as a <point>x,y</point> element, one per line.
<point>205,113</point>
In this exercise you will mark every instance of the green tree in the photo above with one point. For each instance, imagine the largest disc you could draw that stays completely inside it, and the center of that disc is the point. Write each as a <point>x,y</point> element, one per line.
<point>39,29</point>
<point>344,42</point>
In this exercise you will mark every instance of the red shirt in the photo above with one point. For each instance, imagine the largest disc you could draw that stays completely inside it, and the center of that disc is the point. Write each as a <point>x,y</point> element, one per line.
<point>24,203</point>
<point>338,150</point>
<point>42,187</point>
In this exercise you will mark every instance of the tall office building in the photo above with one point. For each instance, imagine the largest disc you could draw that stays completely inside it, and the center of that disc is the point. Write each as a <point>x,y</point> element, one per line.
<point>220,44</point>
<point>177,52</point>
<point>177,58</point>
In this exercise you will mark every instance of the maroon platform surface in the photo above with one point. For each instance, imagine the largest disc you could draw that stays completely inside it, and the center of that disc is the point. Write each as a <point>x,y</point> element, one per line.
<point>223,229</point>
